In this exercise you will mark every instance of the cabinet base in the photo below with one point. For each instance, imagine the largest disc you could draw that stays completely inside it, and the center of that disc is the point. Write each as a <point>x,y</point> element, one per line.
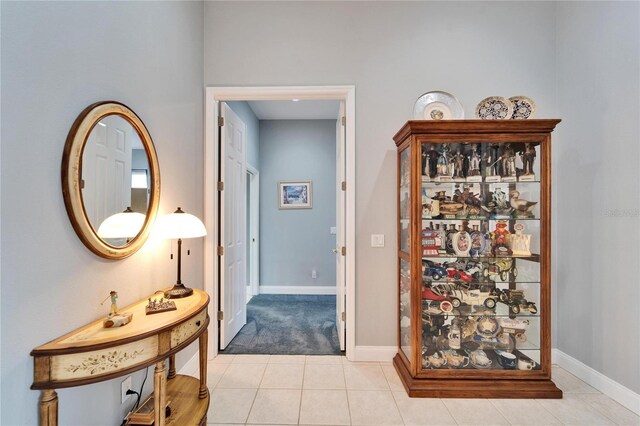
<point>469,388</point>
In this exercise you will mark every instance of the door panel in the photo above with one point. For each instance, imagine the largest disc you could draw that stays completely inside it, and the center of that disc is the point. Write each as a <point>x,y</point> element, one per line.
<point>233,227</point>
<point>341,271</point>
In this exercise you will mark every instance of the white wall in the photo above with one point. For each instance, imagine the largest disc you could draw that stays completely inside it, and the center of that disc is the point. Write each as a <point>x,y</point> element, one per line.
<point>393,52</point>
<point>57,58</point>
<point>295,242</point>
<point>598,186</point>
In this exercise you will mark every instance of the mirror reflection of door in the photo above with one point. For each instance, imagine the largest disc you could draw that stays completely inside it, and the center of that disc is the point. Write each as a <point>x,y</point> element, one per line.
<point>113,149</point>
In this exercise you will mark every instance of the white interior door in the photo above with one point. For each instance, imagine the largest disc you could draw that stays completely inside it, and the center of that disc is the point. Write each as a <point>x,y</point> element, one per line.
<point>107,189</point>
<point>341,265</point>
<point>233,226</point>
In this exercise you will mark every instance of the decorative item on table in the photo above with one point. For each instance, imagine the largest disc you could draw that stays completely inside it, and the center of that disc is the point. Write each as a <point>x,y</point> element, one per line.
<point>115,318</point>
<point>516,301</point>
<point>523,107</point>
<point>455,360</point>
<point>479,359</point>
<point>461,242</point>
<point>498,206</point>
<point>179,225</point>
<point>430,206</point>
<point>478,242</point>
<point>156,306</point>
<point>528,157</point>
<point>514,326</point>
<point>494,108</point>
<point>437,105</point>
<point>491,162</point>
<point>508,161</point>
<point>501,268</point>
<point>474,158</point>
<point>521,208</point>
<point>507,360</point>
<point>444,167</point>
<point>430,243</point>
<point>500,239</point>
<point>520,243</point>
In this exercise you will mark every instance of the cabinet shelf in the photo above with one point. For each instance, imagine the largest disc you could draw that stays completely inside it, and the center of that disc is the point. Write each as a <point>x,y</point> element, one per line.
<point>503,311</point>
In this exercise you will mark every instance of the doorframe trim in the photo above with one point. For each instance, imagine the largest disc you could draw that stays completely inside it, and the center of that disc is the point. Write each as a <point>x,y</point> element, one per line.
<point>213,97</point>
<point>254,249</point>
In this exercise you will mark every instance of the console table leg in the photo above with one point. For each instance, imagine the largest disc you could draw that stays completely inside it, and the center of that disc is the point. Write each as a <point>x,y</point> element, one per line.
<point>48,408</point>
<point>172,367</point>
<point>159,394</point>
<point>203,364</point>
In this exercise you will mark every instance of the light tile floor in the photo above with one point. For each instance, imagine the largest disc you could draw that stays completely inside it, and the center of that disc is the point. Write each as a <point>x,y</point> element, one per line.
<point>329,390</point>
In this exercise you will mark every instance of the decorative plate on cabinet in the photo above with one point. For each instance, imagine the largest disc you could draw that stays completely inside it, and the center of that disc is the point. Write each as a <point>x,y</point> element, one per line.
<point>438,105</point>
<point>494,108</point>
<point>523,107</point>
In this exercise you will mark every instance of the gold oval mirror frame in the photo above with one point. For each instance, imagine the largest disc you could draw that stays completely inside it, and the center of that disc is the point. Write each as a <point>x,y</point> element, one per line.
<point>72,179</point>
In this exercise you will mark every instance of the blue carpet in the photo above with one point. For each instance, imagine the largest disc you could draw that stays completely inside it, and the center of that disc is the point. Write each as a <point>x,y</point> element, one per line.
<point>286,324</point>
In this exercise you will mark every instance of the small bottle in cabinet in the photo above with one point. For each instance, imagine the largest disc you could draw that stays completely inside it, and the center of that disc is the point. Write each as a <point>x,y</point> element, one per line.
<point>474,291</point>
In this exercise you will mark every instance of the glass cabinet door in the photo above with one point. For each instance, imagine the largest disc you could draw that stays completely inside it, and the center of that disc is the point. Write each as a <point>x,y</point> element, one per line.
<point>404,200</point>
<point>480,247</point>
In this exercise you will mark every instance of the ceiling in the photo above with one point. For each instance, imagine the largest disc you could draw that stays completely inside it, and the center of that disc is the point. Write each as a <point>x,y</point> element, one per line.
<point>301,110</point>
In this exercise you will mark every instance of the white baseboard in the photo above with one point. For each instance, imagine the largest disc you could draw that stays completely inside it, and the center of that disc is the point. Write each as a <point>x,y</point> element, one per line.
<point>191,367</point>
<point>374,353</point>
<point>297,289</point>
<point>607,386</point>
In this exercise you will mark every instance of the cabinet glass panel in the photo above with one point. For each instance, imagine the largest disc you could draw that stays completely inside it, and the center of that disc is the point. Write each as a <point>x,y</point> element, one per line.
<point>480,233</point>
<point>405,308</point>
<point>405,200</point>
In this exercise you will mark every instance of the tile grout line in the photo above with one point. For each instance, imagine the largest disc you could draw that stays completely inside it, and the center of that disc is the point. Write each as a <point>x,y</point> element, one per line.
<point>346,391</point>
<point>304,370</point>
<point>449,411</point>
<point>499,411</point>
<point>395,401</point>
<point>256,395</point>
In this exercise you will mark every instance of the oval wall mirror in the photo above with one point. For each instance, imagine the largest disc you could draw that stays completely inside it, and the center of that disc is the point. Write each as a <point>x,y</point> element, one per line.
<point>110,179</point>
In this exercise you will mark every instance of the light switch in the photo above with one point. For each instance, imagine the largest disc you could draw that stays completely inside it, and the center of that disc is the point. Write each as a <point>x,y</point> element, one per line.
<point>333,230</point>
<point>377,240</point>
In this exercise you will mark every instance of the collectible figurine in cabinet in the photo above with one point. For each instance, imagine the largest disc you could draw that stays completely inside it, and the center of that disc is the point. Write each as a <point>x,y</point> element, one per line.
<point>430,243</point>
<point>444,165</point>
<point>516,301</point>
<point>474,165</point>
<point>520,243</point>
<point>492,164</point>
<point>500,239</point>
<point>522,208</point>
<point>498,206</point>
<point>432,161</point>
<point>458,164</point>
<point>501,267</point>
<point>508,160</point>
<point>528,156</point>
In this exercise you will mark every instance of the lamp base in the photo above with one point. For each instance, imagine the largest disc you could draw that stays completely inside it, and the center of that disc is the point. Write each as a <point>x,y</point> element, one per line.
<point>178,291</point>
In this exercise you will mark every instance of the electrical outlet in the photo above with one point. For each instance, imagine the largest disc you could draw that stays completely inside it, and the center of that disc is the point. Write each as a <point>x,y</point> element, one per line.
<point>124,387</point>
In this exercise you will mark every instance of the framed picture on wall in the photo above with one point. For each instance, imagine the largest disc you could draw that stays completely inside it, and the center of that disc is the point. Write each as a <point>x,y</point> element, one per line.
<point>294,194</point>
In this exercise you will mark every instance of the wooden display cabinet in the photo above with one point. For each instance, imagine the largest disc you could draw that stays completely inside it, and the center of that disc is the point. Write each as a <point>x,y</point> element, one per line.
<point>474,200</point>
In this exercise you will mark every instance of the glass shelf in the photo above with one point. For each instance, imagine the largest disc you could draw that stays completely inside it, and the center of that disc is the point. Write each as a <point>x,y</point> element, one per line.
<point>462,357</point>
<point>459,181</point>
<point>480,219</point>
<point>533,257</point>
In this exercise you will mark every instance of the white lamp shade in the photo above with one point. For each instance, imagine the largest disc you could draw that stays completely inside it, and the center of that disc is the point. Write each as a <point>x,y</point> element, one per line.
<point>122,225</point>
<point>181,225</point>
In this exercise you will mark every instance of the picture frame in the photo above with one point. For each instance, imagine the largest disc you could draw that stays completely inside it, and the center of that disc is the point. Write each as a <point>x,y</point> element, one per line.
<point>294,194</point>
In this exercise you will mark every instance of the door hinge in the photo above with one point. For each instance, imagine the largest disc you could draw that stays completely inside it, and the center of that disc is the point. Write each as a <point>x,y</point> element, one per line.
<point>344,120</point>
<point>343,185</point>
<point>220,315</point>
<point>220,121</point>
<point>220,186</point>
<point>344,316</point>
<point>220,251</point>
<point>343,251</point>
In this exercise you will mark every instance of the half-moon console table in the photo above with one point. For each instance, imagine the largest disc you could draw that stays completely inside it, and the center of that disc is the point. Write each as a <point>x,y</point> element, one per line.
<point>94,354</point>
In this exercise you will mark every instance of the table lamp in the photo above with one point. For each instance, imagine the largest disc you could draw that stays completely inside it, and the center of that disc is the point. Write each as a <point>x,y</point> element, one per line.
<point>122,225</point>
<point>180,225</point>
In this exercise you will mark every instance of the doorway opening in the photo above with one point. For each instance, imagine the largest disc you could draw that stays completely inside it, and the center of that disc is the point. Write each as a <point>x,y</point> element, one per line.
<point>224,246</point>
